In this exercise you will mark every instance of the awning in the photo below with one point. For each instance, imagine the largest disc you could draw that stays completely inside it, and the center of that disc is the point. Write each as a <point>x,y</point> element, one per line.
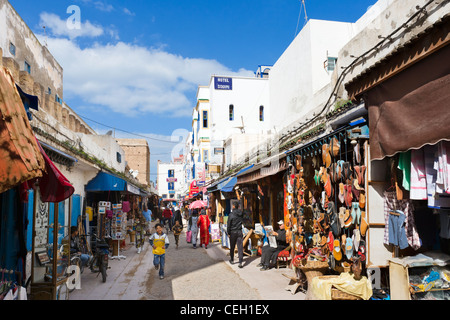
<point>231,182</point>
<point>411,109</point>
<point>106,182</point>
<point>58,152</point>
<point>407,93</point>
<point>133,189</point>
<point>54,186</point>
<point>20,157</point>
<point>263,170</point>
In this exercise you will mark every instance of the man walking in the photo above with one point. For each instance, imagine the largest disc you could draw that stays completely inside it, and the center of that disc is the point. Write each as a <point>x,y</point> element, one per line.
<point>234,230</point>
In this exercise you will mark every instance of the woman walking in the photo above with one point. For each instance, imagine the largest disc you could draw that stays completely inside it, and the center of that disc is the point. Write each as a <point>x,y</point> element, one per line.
<point>193,227</point>
<point>203,223</point>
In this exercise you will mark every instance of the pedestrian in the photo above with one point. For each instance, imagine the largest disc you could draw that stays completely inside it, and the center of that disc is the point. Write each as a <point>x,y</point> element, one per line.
<point>159,242</point>
<point>234,230</point>
<point>147,213</point>
<point>167,217</point>
<point>193,227</point>
<point>177,228</point>
<point>204,223</point>
<point>269,254</point>
<point>177,216</point>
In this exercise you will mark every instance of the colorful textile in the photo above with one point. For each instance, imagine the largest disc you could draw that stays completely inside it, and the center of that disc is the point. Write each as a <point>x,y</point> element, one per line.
<point>203,223</point>
<point>437,199</point>
<point>404,164</point>
<point>392,204</point>
<point>418,187</point>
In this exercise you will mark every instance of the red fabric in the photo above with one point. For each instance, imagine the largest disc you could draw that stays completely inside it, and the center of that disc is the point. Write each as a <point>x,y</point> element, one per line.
<point>284,253</point>
<point>203,223</point>
<point>54,186</point>
<point>167,213</point>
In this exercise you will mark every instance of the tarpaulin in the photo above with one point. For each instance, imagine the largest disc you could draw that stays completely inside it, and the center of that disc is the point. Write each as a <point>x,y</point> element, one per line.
<point>20,157</point>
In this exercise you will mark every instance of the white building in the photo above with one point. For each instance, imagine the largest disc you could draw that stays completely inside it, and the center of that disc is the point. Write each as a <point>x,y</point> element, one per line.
<point>239,117</point>
<point>300,80</point>
<point>170,181</point>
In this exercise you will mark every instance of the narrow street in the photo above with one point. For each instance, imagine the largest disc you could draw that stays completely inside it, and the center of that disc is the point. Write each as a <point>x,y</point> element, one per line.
<point>190,274</point>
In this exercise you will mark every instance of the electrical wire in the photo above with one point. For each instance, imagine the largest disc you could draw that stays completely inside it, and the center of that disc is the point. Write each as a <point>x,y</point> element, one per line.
<point>125,131</point>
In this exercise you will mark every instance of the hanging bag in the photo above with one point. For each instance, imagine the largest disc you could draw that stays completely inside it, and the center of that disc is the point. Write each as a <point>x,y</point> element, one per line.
<point>188,236</point>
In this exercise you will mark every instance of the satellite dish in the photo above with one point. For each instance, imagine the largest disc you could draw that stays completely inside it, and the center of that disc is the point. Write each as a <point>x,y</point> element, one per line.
<point>109,133</point>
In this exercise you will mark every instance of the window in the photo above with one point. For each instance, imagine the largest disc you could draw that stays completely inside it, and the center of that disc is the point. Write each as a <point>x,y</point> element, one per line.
<point>58,99</point>
<point>12,49</point>
<point>231,112</point>
<point>49,91</point>
<point>205,155</point>
<point>171,173</point>
<point>119,157</point>
<point>27,67</point>
<point>330,63</point>
<point>164,196</point>
<point>171,186</point>
<point>261,113</point>
<point>205,119</point>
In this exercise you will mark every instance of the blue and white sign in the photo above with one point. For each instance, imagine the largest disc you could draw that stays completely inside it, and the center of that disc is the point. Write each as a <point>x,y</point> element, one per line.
<point>223,83</point>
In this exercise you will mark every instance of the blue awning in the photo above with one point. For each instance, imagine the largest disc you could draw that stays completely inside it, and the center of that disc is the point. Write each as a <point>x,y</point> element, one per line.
<point>227,184</point>
<point>231,182</point>
<point>106,182</point>
<point>218,185</point>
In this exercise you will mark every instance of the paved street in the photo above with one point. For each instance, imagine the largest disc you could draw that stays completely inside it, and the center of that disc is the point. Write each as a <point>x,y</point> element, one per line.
<point>190,274</point>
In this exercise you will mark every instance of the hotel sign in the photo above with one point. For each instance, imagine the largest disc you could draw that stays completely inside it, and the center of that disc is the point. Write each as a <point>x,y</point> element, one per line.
<point>223,83</point>
<point>171,180</point>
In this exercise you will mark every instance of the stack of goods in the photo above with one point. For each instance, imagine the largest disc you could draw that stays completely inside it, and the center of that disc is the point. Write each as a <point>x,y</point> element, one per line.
<point>325,204</point>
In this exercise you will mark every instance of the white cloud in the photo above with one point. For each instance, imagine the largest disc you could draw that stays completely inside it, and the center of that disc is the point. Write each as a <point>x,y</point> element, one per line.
<point>59,28</point>
<point>99,5</point>
<point>131,79</point>
<point>128,12</point>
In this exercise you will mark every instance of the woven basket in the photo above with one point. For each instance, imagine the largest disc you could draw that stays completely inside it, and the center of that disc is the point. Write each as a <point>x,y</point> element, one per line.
<point>313,265</point>
<point>313,269</point>
<point>341,295</point>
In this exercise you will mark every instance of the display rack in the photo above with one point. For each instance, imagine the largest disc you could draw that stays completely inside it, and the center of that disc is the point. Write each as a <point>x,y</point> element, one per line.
<point>49,256</point>
<point>118,230</point>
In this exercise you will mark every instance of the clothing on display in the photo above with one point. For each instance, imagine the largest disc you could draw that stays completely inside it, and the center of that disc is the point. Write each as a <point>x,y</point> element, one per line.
<point>418,187</point>
<point>437,198</point>
<point>392,204</point>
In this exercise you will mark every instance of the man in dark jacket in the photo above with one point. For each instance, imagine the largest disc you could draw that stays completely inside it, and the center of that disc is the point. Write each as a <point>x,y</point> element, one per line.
<point>234,230</point>
<point>269,254</point>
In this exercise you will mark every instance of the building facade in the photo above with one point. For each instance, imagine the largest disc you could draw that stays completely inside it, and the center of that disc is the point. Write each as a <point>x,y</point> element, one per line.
<point>137,157</point>
<point>170,181</point>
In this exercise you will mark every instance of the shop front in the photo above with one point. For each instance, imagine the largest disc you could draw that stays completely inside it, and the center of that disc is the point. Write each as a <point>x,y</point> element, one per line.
<point>112,205</point>
<point>408,197</point>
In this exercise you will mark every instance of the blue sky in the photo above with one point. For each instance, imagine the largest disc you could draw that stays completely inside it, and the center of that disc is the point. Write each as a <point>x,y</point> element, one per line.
<point>136,65</point>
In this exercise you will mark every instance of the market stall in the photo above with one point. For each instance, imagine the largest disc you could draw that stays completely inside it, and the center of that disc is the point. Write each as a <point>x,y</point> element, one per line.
<point>325,204</point>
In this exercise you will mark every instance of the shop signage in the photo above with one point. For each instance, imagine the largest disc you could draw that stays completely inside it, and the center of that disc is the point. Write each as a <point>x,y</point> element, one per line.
<point>223,83</point>
<point>171,192</point>
<point>171,179</point>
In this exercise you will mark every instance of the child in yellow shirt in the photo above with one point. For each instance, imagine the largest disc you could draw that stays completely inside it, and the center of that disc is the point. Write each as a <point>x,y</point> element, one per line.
<point>160,242</point>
